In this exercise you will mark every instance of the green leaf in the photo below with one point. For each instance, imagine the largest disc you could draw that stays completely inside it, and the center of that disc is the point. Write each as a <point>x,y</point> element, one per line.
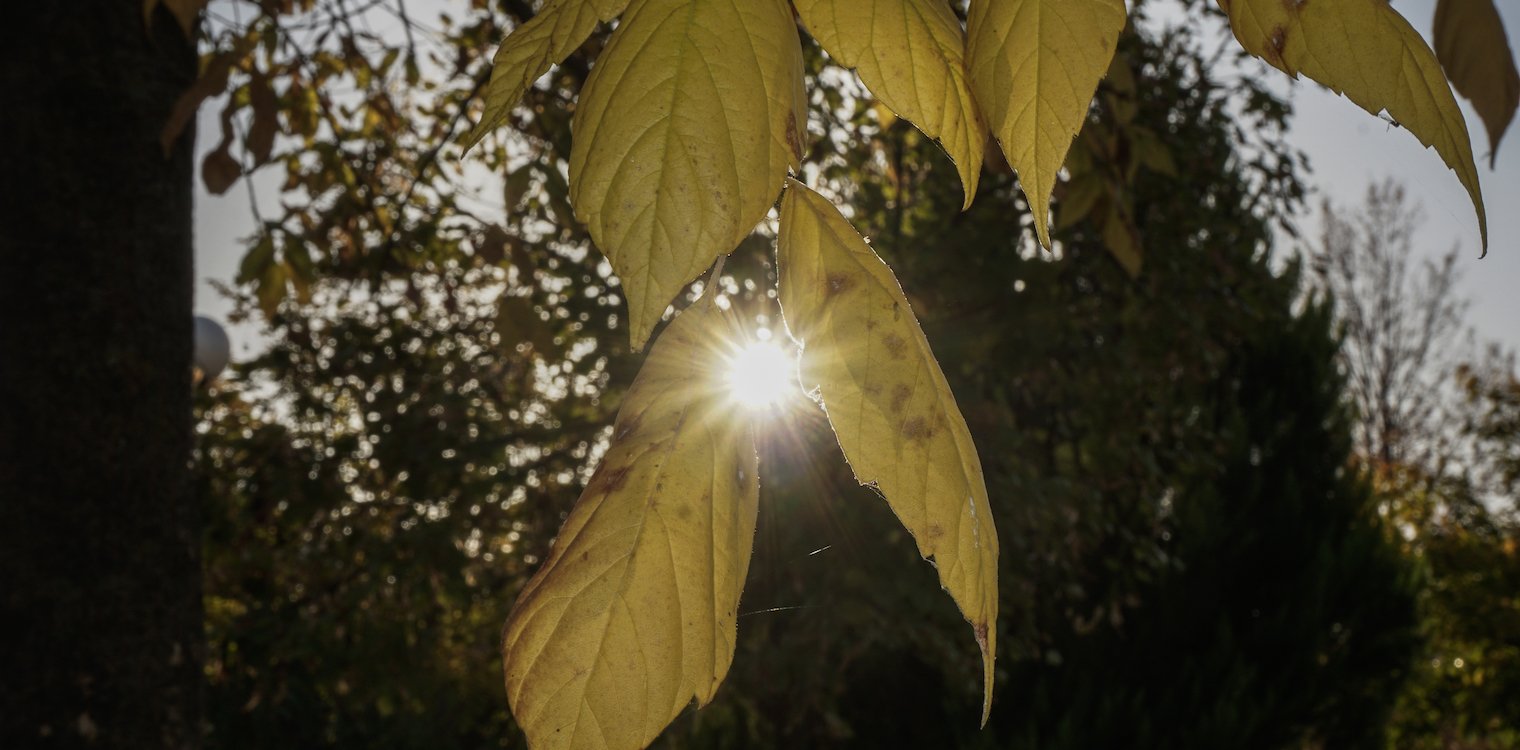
<point>1474,51</point>
<point>892,411</point>
<point>257,259</point>
<point>1035,65</point>
<point>633,614</point>
<point>682,137</point>
<point>271,288</point>
<point>911,55</point>
<point>1365,50</point>
<point>534,47</point>
<point>1122,238</point>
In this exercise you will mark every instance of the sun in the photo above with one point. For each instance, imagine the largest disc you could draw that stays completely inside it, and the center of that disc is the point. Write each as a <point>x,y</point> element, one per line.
<point>761,375</point>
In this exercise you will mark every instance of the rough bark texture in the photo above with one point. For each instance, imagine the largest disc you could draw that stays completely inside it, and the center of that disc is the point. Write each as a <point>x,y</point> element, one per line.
<point>99,532</point>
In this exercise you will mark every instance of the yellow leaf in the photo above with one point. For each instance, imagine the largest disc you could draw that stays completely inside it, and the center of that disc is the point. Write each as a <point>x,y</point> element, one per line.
<point>891,409</point>
<point>531,49</point>
<point>911,55</point>
<point>1035,65</point>
<point>187,12</point>
<point>633,614</point>
<point>1365,50</point>
<point>682,137</point>
<point>1472,48</point>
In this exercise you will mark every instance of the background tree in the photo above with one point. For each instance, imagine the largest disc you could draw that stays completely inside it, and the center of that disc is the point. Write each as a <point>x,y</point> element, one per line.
<point>439,380</point>
<point>403,392</point>
<point>1463,692</point>
<point>384,482</point>
<point>1434,436</point>
<point>1492,394</point>
<point>1403,324</point>
<point>1463,688</point>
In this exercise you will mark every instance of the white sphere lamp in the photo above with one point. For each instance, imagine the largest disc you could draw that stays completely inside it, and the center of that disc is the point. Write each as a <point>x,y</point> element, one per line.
<point>212,349</point>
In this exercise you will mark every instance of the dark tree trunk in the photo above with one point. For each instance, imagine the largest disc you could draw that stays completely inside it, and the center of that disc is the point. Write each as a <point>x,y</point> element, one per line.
<point>99,534</point>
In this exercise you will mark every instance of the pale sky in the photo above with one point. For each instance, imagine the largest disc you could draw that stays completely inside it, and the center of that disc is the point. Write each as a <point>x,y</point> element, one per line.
<point>1347,149</point>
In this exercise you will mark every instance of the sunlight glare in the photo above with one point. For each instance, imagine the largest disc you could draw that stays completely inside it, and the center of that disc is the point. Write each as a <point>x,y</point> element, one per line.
<point>761,375</point>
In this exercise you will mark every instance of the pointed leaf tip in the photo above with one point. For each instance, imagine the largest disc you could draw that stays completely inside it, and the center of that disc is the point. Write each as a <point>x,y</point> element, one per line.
<point>531,49</point>
<point>1474,51</point>
<point>889,403</point>
<point>633,615</point>
<point>1035,65</point>
<point>1366,51</point>
<point>676,158</point>
<point>911,55</point>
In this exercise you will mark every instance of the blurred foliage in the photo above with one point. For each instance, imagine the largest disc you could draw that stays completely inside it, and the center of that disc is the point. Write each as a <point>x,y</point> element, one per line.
<point>1403,326</point>
<point>1464,529</point>
<point>1185,561</point>
<point>1437,431</point>
<point>382,479</point>
<point>440,375</point>
<point>1466,684</point>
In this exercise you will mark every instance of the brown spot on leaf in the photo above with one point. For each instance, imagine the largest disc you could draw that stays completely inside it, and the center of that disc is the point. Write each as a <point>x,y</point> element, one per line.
<point>896,346</point>
<point>917,428</point>
<point>1278,42</point>
<point>836,283</point>
<point>936,531</point>
<point>872,389</point>
<point>900,395</point>
<point>980,629</point>
<point>611,480</point>
<point>794,136</point>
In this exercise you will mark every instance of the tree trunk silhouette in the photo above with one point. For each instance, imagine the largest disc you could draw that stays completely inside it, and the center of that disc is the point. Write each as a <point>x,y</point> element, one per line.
<point>99,532</point>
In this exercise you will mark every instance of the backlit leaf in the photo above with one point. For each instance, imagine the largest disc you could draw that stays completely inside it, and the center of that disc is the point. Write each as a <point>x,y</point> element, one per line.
<point>1473,49</point>
<point>632,615</point>
<point>1365,50</point>
<point>1035,65</point>
<point>891,409</point>
<point>682,137</point>
<point>531,49</point>
<point>911,55</point>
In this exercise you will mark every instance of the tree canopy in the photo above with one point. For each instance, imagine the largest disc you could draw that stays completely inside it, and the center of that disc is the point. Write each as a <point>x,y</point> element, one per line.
<point>440,386</point>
